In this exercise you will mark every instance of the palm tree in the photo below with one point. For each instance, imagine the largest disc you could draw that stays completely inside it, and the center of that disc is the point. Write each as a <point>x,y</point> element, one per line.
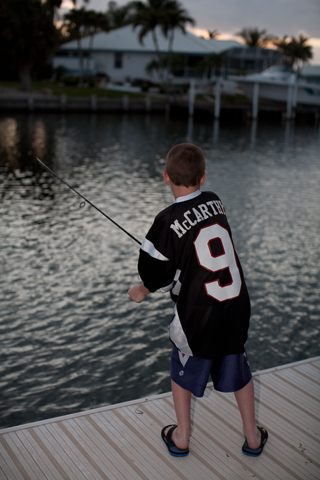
<point>85,2</point>
<point>166,15</point>
<point>119,16</point>
<point>214,61</point>
<point>176,61</point>
<point>296,50</point>
<point>94,22</point>
<point>282,43</point>
<point>76,23</point>
<point>254,37</point>
<point>177,18</point>
<point>212,33</point>
<point>148,16</point>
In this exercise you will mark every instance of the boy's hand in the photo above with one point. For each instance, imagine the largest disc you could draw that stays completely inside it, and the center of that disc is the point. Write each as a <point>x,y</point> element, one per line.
<point>138,293</point>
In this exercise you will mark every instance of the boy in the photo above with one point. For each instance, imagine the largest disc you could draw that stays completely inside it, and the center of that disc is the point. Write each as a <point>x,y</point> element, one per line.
<point>189,252</point>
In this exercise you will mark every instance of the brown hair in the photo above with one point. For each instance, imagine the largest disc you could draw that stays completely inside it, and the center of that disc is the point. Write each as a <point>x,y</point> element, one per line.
<point>185,164</point>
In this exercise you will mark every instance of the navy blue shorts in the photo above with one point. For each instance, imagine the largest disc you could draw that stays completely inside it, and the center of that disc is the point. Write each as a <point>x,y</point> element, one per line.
<point>229,373</point>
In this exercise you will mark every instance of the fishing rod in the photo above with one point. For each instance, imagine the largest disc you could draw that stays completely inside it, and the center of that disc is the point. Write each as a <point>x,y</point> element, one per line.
<point>86,200</point>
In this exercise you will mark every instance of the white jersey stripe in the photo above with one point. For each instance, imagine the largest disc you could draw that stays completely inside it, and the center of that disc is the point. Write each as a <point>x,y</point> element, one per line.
<point>165,289</point>
<point>177,284</point>
<point>176,289</point>
<point>178,336</point>
<point>149,248</point>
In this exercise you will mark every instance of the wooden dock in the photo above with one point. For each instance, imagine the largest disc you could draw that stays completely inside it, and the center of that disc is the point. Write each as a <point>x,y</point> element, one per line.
<point>123,441</point>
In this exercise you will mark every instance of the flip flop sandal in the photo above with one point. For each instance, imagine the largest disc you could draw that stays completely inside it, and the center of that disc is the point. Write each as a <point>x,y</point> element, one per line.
<point>172,448</point>
<point>255,452</point>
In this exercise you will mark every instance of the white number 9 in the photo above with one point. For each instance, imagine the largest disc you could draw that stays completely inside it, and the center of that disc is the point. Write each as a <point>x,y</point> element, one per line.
<point>214,264</point>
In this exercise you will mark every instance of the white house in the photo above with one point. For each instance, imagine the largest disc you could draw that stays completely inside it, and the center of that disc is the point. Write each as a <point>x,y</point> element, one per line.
<point>121,56</point>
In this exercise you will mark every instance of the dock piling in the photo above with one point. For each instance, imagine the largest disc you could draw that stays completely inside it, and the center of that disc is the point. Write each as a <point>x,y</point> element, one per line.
<point>255,101</point>
<point>191,97</point>
<point>93,103</point>
<point>217,101</point>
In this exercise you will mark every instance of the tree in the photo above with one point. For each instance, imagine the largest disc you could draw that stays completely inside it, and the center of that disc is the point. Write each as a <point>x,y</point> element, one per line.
<point>80,23</point>
<point>163,15</point>
<point>28,35</point>
<point>254,37</point>
<point>214,61</point>
<point>177,62</point>
<point>282,44</point>
<point>85,2</point>
<point>94,22</point>
<point>212,33</point>
<point>76,23</point>
<point>296,50</point>
<point>177,18</point>
<point>119,16</point>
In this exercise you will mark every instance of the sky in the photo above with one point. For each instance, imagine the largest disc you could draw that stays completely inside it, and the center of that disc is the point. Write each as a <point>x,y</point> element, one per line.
<point>278,17</point>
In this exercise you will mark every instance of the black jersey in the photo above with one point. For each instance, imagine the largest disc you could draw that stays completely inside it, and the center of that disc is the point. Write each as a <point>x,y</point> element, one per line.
<point>189,251</point>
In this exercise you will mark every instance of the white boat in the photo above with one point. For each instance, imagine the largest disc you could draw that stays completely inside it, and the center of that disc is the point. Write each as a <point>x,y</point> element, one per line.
<point>280,83</point>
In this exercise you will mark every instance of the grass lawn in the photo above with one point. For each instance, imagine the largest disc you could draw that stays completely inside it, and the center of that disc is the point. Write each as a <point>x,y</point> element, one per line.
<point>56,89</point>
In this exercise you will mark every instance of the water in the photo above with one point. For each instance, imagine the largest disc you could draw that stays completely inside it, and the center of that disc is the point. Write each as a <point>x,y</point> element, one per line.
<point>71,339</point>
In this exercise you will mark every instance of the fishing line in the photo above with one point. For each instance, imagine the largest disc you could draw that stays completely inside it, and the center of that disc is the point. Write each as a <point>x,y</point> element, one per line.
<point>82,204</point>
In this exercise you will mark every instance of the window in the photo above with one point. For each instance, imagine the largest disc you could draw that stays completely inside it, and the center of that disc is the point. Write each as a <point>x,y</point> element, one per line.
<point>118,60</point>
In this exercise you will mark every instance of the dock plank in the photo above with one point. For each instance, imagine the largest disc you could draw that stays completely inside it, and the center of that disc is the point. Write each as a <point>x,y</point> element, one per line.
<point>122,442</point>
<point>8,468</point>
<point>52,447</point>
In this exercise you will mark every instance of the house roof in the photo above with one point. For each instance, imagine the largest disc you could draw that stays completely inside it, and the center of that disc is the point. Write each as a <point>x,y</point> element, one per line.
<point>126,39</point>
<point>310,70</point>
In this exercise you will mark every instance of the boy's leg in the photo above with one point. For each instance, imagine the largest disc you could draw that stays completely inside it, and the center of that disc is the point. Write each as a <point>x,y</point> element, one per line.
<point>245,400</point>
<point>182,405</point>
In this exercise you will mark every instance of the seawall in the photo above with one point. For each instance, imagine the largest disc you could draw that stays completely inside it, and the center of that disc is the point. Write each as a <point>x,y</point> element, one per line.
<point>171,106</point>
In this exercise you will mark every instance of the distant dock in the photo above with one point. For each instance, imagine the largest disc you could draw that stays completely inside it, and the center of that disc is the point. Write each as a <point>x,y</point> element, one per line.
<point>123,441</point>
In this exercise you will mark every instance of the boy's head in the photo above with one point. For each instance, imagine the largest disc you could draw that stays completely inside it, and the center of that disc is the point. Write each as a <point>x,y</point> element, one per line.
<point>185,165</point>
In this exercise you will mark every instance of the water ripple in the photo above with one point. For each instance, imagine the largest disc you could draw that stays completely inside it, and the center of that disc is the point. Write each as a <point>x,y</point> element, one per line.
<point>71,339</point>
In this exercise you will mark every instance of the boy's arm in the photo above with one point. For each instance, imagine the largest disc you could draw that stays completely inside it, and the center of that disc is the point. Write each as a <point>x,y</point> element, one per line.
<point>138,293</point>
<point>155,269</point>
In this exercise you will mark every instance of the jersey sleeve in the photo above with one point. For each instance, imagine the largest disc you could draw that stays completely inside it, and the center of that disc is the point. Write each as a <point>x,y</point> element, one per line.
<point>156,265</point>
